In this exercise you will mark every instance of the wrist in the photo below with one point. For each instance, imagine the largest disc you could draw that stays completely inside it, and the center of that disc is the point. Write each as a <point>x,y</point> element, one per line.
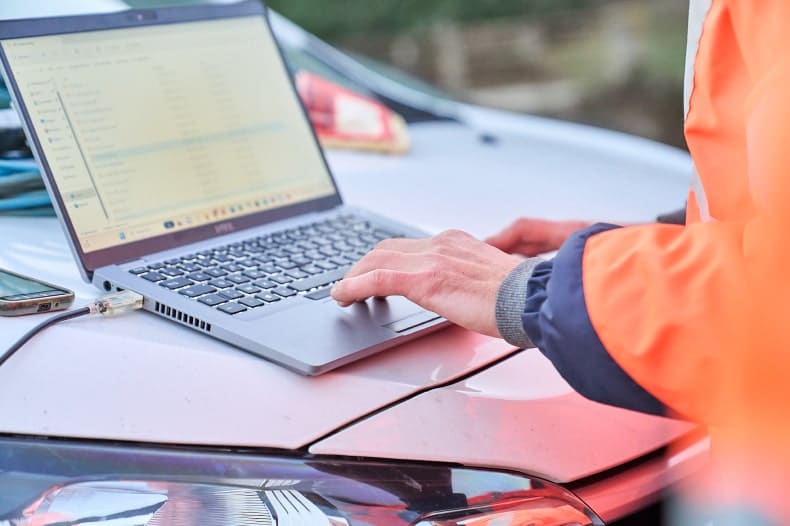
<point>511,301</point>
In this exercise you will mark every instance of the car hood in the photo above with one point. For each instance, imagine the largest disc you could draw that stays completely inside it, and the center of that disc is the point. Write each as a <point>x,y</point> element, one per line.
<point>451,396</point>
<point>140,378</point>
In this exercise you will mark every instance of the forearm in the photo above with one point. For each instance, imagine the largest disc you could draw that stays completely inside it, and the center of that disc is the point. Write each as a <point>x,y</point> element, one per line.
<point>553,317</point>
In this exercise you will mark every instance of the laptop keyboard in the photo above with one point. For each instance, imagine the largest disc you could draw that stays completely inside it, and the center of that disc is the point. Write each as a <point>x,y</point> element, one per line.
<point>276,267</point>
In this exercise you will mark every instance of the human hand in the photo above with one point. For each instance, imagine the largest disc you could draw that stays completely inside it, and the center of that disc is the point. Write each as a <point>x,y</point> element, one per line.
<point>452,274</point>
<point>531,237</point>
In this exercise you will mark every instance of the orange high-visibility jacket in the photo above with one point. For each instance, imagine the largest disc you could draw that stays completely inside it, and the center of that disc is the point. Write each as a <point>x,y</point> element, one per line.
<point>696,315</point>
<point>675,310</point>
<point>696,318</point>
<point>684,309</point>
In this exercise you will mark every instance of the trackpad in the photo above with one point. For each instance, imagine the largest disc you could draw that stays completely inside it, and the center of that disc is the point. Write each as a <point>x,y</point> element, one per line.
<point>387,312</point>
<point>395,313</point>
<point>412,321</point>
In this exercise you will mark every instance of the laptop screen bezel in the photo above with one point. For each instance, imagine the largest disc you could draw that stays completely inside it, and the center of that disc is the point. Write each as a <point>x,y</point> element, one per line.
<point>90,261</point>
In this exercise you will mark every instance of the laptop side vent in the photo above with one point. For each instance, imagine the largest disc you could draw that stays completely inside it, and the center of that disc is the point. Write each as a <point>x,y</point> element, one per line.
<point>182,317</point>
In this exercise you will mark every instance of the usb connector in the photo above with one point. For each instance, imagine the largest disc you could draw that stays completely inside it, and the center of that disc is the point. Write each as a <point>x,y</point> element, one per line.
<point>117,303</point>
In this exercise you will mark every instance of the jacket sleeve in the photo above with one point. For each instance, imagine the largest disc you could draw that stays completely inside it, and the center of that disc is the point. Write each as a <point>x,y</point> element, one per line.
<point>640,317</point>
<point>556,321</point>
<point>671,305</point>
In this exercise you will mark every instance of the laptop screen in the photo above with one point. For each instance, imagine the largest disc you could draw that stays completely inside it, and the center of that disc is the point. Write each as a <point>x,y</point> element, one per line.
<point>154,129</point>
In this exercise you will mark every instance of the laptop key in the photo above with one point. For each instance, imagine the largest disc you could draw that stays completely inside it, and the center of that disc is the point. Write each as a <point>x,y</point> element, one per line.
<point>215,272</point>
<point>176,283</point>
<point>306,245</point>
<point>283,291</point>
<point>312,269</point>
<point>248,288</point>
<point>212,300</point>
<point>268,269</point>
<point>156,266</point>
<point>220,283</point>
<point>231,294</point>
<point>265,284</point>
<point>238,279</point>
<point>172,272</point>
<point>189,267</point>
<point>232,267</point>
<point>321,279</point>
<point>153,276</point>
<point>268,297</point>
<point>286,264</point>
<point>340,260</point>
<point>343,247</point>
<point>281,279</point>
<point>254,274</point>
<point>248,263</point>
<point>139,270</point>
<point>301,260</point>
<point>232,308</point>
<point>197,290</point>
<point>199,276</point>
<point>319,294</point>
<point>251,302</point>
<point>297,274</point>
<point>326,265</point>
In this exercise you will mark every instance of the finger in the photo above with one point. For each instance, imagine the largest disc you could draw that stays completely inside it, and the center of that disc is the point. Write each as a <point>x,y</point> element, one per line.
<point>507,238</point>
<point>379,282</point>
<point>384,259</point>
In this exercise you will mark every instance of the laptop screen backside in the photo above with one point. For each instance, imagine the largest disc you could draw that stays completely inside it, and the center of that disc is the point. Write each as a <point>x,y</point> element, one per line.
<point>152,130</point>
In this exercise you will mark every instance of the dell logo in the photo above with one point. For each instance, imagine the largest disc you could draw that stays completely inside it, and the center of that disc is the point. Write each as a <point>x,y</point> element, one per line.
<point>142,16</point>
<point>224,228</point>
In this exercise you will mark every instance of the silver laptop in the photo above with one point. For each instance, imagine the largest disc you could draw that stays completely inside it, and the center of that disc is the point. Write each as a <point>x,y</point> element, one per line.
<point>183,167</point>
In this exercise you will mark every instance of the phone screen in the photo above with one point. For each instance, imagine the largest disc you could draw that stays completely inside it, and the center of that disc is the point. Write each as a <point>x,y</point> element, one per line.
<point>13,287</point>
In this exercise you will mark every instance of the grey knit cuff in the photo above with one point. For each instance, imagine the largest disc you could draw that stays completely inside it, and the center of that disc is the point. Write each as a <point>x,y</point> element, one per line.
<point>511,301</point>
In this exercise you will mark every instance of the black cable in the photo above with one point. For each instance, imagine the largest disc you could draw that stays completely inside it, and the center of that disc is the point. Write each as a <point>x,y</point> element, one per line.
<point>40,327</point>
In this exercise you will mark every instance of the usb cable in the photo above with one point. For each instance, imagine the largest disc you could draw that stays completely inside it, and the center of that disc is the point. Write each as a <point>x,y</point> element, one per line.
<point>107,305</point>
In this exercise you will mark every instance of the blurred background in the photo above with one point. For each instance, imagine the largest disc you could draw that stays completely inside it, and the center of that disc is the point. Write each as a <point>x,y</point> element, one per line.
<point>617,64</point>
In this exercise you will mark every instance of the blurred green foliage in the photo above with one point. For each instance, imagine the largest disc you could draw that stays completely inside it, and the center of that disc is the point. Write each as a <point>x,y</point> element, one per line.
<point>345,17</point>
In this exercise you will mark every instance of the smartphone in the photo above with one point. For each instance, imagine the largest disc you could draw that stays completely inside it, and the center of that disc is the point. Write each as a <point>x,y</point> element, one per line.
<point>23,295</point>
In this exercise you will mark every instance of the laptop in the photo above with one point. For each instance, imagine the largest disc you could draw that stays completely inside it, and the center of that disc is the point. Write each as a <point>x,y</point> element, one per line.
<point>182,166</point>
